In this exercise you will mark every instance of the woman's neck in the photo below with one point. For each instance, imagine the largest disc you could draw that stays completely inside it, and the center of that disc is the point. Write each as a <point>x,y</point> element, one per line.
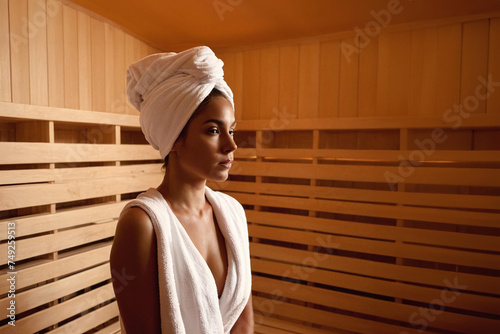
<point>182,194</point>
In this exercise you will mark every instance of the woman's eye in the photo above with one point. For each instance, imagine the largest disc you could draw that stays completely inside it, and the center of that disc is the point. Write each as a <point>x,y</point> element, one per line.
<point>231,133</point>
<point>213,130</point>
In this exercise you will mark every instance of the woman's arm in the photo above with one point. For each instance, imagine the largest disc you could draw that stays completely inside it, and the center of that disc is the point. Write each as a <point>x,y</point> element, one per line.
<point>245,323</point>
<point>134,271</point>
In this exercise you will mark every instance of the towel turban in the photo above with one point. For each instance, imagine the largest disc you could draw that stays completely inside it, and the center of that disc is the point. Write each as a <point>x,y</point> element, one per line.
<point>166,88</point>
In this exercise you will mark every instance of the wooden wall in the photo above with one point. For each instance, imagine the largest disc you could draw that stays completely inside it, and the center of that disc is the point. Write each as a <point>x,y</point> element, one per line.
<point>373,203</point>
<point>373,198</point>
<point>54,55</point>
<point>72,155</point>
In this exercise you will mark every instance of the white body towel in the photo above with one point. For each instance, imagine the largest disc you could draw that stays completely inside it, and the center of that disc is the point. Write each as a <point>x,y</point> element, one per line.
<point>189,302</point>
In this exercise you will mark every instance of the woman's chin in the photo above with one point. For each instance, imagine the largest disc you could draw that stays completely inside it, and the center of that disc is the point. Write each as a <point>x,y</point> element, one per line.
<point>220,177</point>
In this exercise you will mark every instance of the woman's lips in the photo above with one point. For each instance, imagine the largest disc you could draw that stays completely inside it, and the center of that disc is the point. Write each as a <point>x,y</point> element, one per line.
<point>226,163</point>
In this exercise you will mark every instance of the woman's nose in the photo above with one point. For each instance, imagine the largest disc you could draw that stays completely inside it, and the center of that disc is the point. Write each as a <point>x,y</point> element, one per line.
<point>230,144</point>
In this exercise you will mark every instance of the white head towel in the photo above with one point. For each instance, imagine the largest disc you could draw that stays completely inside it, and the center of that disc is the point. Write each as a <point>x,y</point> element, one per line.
<point>168,87</point>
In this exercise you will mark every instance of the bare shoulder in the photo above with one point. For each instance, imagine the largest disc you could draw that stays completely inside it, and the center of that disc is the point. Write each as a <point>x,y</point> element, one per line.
<point>134,234</point>
<point>134,272</point>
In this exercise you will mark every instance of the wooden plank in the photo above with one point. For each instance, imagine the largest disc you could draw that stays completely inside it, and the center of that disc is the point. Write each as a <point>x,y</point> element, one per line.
<point>270,75</point>
<point>109,70</point>
<point>420,175</point>
<point>263,323</point>
<point>25,112</point>
<point>5,64</point>
<point>423,72</point>
<point>373,156</point>
<point>251,84</point>
<point>493,100</point>
<point>131,56</point>
<point>114,328</point>
<point>399,74</point>
<point>329,79</point>
<point>49,269</point>
<point>380,232</point>
<point>90,320</point>
<point>119,94</point>
<point>55,56</point>
<point>62,311</point>
<point>474,64</point>
<point>365,123</point>
<point>448,66</point>
<point>46,244</point>
<point>19,51</point>
<point>417,275</point>
<point>73,154</point>
<point>379,287</point>
<point>67,174</point>
<point>445,216</point>
<point>386,248</point>
<point>84,61</point>
<point>325,318</point>
<point>37,18</point>
<point>308,91</point>
<point>289,79</point>
<point>49,193</point>
<point>348,82</point>
<point>32,298</point>
<point>368,73</point>
<point>98,65</point>
<point>70,64</point>
<point>462,201</point>
<point>371,307</point>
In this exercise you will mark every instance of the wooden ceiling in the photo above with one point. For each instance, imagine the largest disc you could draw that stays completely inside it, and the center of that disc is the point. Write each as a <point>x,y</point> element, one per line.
<point>173,25</point>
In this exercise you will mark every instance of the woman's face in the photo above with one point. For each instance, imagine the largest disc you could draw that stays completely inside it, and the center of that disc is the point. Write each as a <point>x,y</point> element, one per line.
<point>206,150</point>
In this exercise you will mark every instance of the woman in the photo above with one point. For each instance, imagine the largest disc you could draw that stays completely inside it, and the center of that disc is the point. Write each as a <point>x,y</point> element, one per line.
<point>184,247</point>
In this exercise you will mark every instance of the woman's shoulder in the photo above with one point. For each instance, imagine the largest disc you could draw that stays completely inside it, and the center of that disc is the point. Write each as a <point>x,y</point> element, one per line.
<point>134,224</point>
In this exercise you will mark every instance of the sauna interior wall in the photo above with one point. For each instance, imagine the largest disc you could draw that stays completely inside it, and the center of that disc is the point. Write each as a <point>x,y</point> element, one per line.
<point>358,215</point>
<point>62,99</point>
<point>335,247</point>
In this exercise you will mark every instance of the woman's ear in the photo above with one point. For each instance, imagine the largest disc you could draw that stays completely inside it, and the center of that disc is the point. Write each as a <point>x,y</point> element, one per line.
<point>177,143</point>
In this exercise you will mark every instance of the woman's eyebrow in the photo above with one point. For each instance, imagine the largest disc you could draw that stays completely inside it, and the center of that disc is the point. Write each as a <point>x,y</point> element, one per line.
<point>218,122</point>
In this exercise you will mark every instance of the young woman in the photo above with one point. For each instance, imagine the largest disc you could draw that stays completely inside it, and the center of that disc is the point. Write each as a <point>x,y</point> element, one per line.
<point>183,247</point>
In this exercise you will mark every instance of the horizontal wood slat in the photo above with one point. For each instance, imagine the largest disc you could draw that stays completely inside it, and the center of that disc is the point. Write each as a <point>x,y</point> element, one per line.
<point>391,271</point>
<point>46,270</point>
<point>36,246</point>
<point>375,210</point>
<point>367,155</point>
<point>46,222</point>
<point>364,123</point>
<point>464,201</point>
<point>422,175</point>
<point>14,197</point>
<point>18,111</point>
<point>374,286</point>
<point>380,232</point>
<point>62,311</point>
<point>370,306</point>
<point>29,153</point>
<point>90,320</point>
<point>26,176</point>
<point>387,248</point>
<point>265,307</point>
<point>58,289</point>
